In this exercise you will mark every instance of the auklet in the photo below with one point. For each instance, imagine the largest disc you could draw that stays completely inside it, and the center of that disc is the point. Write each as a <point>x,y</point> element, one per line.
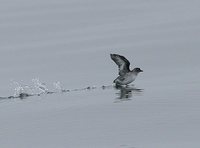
<point>126,76</point>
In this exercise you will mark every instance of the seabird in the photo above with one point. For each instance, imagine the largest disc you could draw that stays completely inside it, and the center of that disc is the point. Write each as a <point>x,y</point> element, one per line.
<point>126,76</point>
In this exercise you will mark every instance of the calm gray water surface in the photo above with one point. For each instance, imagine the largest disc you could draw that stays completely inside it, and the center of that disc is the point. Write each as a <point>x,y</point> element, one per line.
<point>54,45</point>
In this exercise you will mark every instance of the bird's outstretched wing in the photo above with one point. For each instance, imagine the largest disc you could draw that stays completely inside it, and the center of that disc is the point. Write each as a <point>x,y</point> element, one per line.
<point>122,63</point>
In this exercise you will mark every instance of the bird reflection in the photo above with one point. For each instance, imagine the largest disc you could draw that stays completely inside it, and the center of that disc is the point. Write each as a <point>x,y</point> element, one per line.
<point>126,92</point>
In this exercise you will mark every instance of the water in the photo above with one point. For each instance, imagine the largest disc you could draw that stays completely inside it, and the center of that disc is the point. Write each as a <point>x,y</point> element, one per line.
<point>56,74</point>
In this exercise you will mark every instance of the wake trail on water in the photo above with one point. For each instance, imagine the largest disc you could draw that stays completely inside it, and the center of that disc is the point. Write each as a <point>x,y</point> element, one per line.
<point>38,88</point>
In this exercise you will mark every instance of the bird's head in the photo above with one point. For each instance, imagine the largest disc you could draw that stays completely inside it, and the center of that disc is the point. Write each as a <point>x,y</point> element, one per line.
<point>137,70</point>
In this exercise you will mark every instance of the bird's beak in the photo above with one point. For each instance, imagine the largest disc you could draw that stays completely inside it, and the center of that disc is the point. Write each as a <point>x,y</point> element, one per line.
<point>141,71</point>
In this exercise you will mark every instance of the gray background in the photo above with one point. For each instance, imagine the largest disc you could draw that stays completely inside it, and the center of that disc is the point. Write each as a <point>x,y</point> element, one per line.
<point>70,41</point>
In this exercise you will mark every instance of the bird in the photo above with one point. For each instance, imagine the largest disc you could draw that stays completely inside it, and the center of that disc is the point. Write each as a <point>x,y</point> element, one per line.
<point>126,76</point>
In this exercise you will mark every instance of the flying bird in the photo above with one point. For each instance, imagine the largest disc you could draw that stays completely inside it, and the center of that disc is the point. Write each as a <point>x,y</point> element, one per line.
<point>126,76</point>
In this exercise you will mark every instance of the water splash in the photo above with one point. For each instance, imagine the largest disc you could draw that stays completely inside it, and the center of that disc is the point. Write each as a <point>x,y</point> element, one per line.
<point>41,87</point>
<point>37,88</point>
<point>20,89</point>
<point>58,86</point>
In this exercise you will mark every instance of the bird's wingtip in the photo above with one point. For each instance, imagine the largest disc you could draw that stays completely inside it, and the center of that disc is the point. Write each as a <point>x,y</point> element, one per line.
<point>111,55</point>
